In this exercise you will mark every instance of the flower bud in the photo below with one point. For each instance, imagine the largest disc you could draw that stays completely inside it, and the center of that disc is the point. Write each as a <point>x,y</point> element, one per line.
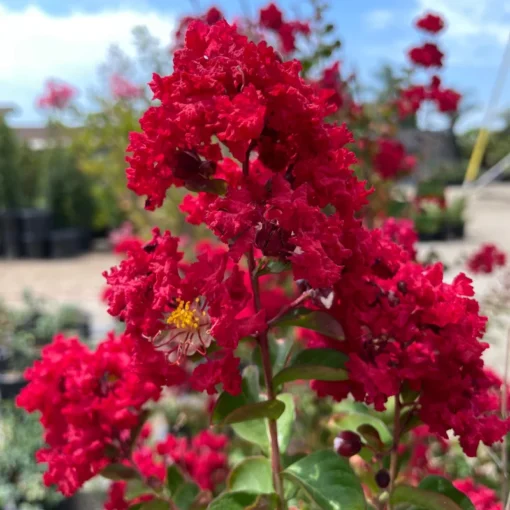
<point>382,478</point>
<point>347,443</point>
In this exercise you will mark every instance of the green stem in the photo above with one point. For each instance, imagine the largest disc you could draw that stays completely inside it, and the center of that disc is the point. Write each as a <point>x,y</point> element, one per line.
<point>276,466</point>
<point>394,449</point>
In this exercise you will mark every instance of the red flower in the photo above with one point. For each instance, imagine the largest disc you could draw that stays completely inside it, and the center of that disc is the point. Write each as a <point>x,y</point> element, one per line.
<point>410,100</point>
<point>391,159</point>
<point>182,308</point>
<point>56,95</point>
<point>414,329</point>
<point>204,458</point>
<point>482,497</point>
<point>401,232</point>
<point>271,17</point>
<point>123,239</point>
<point>90,402</point>
<point>447,100</point>
<point>486,259</point>
<point>123,89</point>
<point>428,55</point>
<point>429,22</point>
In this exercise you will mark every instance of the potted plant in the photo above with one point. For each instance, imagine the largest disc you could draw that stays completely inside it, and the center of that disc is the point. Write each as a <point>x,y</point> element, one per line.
<point>455,220</point>
<point>10,196</point>
<point>429,222</point>
<point>71,202</point>
<point>21,484</point>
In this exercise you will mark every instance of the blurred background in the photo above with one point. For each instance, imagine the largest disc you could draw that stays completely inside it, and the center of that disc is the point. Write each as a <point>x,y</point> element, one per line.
<point>73,84</point>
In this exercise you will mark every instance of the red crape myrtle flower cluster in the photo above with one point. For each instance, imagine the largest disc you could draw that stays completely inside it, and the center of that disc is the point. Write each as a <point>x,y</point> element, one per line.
<point>486,259</point>
<point>482,497</point>
<point>90,402</point>
<point>122,88</point>
<point>403,324</point>
<point>272,19</point>
<point>57,95</point>
<point>202,459</point>
<point>428,56</point>
<point>272,178</point>
<point>432,23</point>
<point>391,159</point>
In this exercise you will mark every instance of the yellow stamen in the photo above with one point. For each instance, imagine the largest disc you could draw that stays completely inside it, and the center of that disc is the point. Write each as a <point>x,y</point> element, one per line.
<point>184,317</point>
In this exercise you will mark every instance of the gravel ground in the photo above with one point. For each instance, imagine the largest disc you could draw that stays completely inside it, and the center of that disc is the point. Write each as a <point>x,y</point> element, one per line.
<point>79,280</point>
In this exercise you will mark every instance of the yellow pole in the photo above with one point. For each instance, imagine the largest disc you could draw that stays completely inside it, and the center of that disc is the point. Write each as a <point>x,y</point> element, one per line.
<point>483,135</point>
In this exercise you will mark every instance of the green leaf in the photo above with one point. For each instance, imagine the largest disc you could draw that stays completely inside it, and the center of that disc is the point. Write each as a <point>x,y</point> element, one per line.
<point>318,321</point>
<point>409,421</point>
<point>257,432</point>
<point>272,409</point>
<point>278,351</point>
<point>246,406</point>
<point>135,488</point>
<point>213,186</point>
<point>319,364</point>
<point>371,436</point>
<point>328,480</point>
<point>226,405</point>
<point>254,432</point>
<point>119,472</point>
<point>423,499</point>
<point>272,266</point>
<point>441,485</point>
<point>286,421</point>
<point>353,422</point>
<point>244,501</point>
<point>252,475</point>
<point>156,504</point>
<point>174,478</point>
<point>251,384</point>
<point>185,496</point>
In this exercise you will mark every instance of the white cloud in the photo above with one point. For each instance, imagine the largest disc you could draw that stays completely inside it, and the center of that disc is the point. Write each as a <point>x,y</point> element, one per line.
<point>66,47</point>
<point>379,19</point>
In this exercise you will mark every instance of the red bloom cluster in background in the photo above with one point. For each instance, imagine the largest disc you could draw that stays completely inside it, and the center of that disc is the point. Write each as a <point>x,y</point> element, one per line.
<point>482,497</point>
<point>271,18</point>
<point>122,88</point>
<point>123,239</point>
<point>427,55</point>
<point>202,459</point>
<point>432,23</point>
<point>391,159</point>
<point>401,232</point>
<point>57,95</point>
<point>486,259</point>
<point>90,402</point>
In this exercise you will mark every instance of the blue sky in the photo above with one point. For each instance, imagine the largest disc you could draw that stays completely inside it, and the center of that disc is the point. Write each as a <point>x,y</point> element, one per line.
<point>69,39</point>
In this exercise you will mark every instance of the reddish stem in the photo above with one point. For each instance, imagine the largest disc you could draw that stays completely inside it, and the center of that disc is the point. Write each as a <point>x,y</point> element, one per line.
<point>263,341</point>
<point>287,308</point>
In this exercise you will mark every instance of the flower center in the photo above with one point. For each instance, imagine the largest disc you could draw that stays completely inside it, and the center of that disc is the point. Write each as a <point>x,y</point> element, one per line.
<point>186,316</point>
<point>187,332</point>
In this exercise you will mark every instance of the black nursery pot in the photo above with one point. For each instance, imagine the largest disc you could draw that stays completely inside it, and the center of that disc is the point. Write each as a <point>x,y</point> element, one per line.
<point>10,226</point>
<point>11,383</point>
<point>456,231</point>
<point>5,359</point>
<point>66,242</point>
<point>35,221</point>
<point>34,245</point>
<point>438,235</point>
